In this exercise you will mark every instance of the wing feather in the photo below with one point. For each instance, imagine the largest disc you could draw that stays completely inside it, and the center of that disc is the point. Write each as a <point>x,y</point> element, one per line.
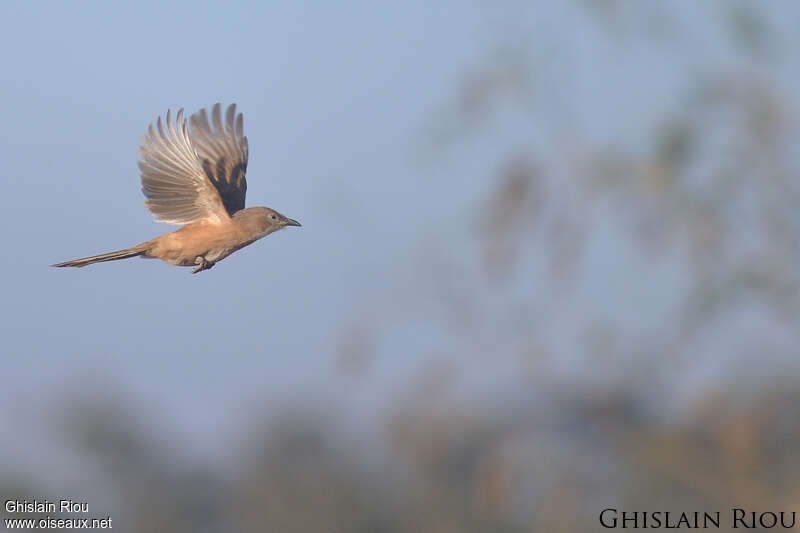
<point>223,152</point>
<point>173,180</point>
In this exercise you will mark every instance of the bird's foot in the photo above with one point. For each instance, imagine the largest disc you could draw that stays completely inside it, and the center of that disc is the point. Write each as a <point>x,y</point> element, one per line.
<point>202,264</point>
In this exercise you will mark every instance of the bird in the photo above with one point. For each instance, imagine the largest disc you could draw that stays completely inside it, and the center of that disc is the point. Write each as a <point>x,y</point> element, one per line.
<point>193,175</point>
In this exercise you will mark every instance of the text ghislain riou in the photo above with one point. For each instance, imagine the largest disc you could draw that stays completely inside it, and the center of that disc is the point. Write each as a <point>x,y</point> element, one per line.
<point>45,506</point>
<point>736,518</point>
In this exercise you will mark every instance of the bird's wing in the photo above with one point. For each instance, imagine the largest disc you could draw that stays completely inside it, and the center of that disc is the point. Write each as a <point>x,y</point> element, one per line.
<point>223,152</point>
<point>173,180</point>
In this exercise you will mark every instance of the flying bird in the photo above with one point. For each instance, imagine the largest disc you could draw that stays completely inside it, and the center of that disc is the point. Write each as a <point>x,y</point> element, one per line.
<point>194,176</point>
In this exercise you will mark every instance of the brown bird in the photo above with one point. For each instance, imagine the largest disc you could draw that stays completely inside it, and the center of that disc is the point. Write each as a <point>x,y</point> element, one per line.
<point>194,176</point>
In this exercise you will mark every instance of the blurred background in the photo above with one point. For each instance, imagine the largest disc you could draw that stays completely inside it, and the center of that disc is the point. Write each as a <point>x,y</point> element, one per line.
<point>548,265</point>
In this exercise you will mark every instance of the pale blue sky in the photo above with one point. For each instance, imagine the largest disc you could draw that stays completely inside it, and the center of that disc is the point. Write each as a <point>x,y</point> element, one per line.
<point>337,97</point>
<point>333,96</point>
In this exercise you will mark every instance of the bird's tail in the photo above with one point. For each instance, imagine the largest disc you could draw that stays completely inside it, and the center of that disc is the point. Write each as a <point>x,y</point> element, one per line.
<point>111,256</point>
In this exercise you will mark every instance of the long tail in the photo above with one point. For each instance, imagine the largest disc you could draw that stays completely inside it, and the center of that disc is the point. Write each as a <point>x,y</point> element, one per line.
<point>111,256</point>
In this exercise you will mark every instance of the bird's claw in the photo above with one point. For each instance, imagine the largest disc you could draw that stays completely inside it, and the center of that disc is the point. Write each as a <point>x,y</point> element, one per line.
<point>202,264</point>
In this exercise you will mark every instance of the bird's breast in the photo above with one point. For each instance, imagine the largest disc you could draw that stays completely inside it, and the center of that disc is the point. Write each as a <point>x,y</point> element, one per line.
<point>201,239</point>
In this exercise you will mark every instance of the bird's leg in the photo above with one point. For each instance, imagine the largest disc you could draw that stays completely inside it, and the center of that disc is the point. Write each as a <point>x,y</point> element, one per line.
<point>202,264</point>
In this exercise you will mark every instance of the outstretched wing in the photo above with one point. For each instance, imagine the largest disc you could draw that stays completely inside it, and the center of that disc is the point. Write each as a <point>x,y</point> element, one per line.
<point>173,180</point>
<point>223,152</point>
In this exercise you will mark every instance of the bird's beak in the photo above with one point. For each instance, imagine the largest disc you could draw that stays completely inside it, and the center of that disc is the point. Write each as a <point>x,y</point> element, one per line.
<point>292,222</point>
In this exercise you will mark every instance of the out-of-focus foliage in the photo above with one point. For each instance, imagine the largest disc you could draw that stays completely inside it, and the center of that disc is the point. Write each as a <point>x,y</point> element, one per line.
<point>509,466</point>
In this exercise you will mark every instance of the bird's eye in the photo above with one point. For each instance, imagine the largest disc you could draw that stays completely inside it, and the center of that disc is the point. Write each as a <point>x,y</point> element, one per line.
<point>273,217</point>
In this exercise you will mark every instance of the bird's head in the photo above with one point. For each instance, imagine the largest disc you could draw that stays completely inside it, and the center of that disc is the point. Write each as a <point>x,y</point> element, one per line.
<point>263,220</point>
